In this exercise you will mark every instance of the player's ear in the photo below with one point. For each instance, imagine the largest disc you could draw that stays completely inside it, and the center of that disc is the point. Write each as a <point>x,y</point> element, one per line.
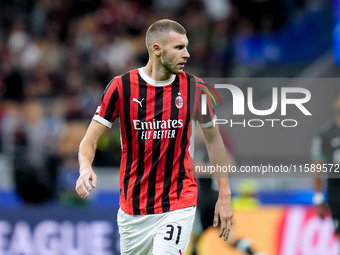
<point>157,49</point>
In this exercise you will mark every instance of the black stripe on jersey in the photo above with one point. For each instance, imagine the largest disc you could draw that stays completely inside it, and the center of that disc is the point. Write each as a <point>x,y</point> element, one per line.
<point>209,116</point>
<point>169,161</point>
<point>111,107</point>
<point>106,88</point>
<point>156,151</point>
<point>128,131</point>
<point>192,92</point>
<point>184,141</point>
<point>141,147</point>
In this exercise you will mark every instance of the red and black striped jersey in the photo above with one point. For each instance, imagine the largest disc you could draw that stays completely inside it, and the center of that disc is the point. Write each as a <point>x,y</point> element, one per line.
<point>157,119</point>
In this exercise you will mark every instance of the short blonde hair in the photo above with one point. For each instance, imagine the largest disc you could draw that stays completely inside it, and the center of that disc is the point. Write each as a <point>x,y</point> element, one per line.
<point>158,31</point>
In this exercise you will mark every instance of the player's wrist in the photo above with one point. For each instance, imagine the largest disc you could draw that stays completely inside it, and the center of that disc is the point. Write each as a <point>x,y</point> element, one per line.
<point>224,195</point>
<point>318,198</point>
<point>85,169</point>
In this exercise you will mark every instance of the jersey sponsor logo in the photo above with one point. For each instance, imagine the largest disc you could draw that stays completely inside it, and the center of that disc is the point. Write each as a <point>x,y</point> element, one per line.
<point>139,102</point>
<point>157,129</point>
<point>157,124</point>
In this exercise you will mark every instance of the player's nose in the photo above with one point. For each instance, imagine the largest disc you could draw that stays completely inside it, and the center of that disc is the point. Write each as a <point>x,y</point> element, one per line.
<point>186,53</point>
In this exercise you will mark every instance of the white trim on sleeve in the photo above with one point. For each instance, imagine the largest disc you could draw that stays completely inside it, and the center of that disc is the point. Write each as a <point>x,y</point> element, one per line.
<point>208,124</point>
<point>102,121</point>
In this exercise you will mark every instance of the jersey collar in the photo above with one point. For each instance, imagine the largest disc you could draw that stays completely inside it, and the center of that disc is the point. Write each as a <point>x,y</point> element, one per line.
<point>152,82</point>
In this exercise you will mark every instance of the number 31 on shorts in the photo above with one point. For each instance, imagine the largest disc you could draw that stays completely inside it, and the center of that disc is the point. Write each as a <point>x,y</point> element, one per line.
<point>170,233</point>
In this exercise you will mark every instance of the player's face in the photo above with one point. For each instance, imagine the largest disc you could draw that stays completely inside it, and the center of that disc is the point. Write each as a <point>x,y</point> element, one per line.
<point>175,53</point>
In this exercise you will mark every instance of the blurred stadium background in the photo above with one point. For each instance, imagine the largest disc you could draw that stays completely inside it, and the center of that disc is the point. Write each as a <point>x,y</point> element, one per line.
<point>57,56</point>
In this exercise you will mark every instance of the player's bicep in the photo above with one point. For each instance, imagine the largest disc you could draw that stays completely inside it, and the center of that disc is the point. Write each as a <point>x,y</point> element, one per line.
<point>94,132</point>
<point>211,133</point>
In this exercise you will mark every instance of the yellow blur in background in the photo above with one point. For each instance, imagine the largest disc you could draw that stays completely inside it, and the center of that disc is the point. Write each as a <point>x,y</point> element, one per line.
<point>293,230</point>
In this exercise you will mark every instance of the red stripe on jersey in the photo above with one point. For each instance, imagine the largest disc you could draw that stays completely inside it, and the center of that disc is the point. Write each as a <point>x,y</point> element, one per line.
<point>188,193</point>
<point>123,162</point>
<point>112,86</point>
<point>182,114</point>
<point>134,92</point>
<point>187,160</point>
<point>150,112</point>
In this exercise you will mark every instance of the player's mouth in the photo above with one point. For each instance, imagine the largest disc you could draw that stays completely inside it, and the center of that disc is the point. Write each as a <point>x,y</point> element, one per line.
<point>181,65</point>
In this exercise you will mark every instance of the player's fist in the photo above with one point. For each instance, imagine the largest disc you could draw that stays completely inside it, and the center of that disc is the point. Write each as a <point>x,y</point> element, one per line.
<point>83,185</point>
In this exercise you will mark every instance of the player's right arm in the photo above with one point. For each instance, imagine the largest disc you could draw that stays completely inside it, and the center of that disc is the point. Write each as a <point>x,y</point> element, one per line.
<point>102,120</point>
<point>87,150</point>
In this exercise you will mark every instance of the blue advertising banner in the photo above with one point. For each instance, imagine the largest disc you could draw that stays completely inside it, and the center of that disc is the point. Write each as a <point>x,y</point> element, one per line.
<point>336,31</point>
<point>58,231</point>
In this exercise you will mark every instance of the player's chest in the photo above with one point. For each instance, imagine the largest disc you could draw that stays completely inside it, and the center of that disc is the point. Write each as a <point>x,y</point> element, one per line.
<point>150,102</point>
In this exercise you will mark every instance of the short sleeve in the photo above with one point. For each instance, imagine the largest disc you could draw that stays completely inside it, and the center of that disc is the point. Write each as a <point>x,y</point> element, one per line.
<point>107,112</point>
<point>205,119</point>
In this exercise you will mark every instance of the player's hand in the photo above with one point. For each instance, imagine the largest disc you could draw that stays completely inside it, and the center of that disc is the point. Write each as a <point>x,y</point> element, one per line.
<point>83,186</point>
<point>321,210</point>
<point>224,214</point>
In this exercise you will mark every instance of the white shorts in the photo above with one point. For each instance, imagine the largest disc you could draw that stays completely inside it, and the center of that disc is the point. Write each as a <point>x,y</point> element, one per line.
<point>157,234</point>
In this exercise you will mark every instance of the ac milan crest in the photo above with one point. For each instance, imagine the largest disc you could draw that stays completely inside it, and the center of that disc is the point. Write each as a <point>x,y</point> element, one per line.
<point>179,102</point>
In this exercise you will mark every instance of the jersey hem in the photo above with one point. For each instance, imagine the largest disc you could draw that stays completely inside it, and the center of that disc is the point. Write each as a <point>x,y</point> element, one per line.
<point>130,212</point>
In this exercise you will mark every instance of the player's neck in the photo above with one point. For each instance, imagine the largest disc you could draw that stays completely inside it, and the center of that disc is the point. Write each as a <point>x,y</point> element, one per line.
<point>156,72</point>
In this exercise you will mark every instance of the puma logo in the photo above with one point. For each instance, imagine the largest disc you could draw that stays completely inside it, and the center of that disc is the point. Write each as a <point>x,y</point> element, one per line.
<point>139,102</point>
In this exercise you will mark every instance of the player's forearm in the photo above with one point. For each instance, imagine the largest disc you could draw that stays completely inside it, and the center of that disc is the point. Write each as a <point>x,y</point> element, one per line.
<point>223,188</point>
<point>218,157</point>
<point>87,150</point>
<point>88,146</point>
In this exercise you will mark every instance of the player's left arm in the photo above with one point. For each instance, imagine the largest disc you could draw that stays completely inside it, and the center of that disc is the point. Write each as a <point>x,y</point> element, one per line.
<point>218,156</point>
